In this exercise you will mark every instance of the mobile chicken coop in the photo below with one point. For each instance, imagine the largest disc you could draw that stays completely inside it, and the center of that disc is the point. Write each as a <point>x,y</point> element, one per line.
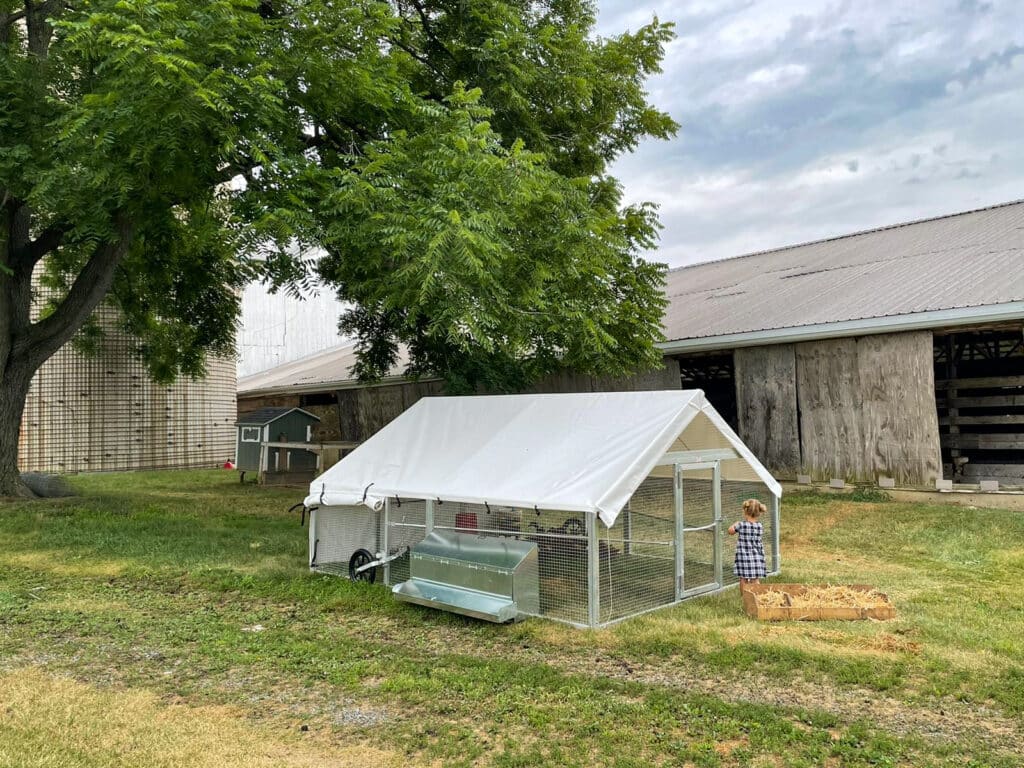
<point>583,508</point>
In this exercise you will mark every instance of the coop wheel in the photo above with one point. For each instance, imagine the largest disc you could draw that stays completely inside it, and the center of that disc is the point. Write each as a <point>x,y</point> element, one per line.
<point>573,526</point>
<point>360,558</point>
<point>534,528</point>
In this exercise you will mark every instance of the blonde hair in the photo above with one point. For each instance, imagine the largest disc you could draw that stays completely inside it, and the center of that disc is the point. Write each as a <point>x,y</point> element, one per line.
<point>754,508</point>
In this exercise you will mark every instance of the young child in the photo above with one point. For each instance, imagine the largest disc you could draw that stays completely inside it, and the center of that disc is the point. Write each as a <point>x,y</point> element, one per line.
<point>749,564</point>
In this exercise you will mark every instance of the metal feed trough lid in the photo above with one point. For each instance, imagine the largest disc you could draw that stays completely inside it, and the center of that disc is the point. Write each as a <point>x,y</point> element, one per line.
<point>491,578</point>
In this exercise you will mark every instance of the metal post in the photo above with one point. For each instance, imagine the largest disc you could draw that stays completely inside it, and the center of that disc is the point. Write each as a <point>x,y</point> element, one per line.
<point>428,518</point>
<point>593,573</point>
<point>312,536</point>
<point>716,498</point>
<point>679,535</point>
<point>776,522</point>
<point>384,541</point>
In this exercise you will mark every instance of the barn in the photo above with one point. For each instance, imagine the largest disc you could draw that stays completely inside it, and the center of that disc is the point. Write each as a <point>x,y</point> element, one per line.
<point>892,353</point>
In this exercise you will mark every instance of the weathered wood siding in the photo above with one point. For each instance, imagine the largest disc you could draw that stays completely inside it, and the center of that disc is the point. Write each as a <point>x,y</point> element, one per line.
<point>366,410</point>
<point>666,377</point>
<point>766,405</point>
<point>867,408</point>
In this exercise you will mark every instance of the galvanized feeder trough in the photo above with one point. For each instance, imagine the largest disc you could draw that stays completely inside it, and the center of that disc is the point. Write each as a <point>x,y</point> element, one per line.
<point>487,577</point>
<point>583,508</point>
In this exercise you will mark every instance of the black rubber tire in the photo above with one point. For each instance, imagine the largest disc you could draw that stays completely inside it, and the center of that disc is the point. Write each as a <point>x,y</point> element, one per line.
<point>360,558</point>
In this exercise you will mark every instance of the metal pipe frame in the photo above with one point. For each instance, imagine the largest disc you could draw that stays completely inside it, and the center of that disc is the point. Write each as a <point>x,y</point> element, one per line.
<point>777,521</point>
<point>428,515</point>
<point>716,500</point>
<point>593,573</point>
<point>384,543</point>
<point>678,500</point>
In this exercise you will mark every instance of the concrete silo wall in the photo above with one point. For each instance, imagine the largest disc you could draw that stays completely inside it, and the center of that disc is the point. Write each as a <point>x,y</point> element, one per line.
<point>103,413</point>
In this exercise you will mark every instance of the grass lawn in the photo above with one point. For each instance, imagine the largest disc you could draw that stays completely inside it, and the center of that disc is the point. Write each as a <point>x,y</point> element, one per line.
<point>168,619</point>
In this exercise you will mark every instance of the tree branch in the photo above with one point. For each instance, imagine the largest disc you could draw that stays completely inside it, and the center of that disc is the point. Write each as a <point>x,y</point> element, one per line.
<point>29,254</point>
<point>428,28</point>
<point>45,337</point>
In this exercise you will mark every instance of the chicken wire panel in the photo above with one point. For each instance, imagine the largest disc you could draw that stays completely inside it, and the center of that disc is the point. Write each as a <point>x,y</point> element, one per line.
<point>699,546</point>
<point>340,531</point>
<point>734,493</point>
<point>637,554</point>
<point>406,526</point>
<point>561,549</point>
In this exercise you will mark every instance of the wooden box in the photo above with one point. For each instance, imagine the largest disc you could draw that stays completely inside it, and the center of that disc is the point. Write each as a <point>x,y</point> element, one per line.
<point>757,609</point>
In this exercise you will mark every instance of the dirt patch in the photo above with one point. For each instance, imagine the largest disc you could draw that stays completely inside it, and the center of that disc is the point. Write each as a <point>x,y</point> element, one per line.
<point>68,723</point>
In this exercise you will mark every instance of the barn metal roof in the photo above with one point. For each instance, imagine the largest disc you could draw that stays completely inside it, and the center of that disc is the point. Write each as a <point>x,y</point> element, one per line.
<point>965,268</point>
<point>956,269</point>
<point>330,369</point>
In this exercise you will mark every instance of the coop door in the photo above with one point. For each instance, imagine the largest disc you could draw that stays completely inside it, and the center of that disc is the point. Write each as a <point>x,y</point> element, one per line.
<point>699,554</point>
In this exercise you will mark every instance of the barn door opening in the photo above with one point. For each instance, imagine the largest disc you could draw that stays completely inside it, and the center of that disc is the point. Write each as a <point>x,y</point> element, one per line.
<point>699,528</point>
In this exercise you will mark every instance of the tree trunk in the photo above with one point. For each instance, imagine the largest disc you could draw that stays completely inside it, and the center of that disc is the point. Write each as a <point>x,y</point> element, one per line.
<point>17,376</point>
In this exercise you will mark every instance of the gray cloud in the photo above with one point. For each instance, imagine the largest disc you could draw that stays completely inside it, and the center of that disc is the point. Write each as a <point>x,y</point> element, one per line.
<point>808,120</point>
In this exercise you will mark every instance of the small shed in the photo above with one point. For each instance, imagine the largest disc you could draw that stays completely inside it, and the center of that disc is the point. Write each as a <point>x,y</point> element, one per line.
<point>275,425</point>
<point>626,498</point>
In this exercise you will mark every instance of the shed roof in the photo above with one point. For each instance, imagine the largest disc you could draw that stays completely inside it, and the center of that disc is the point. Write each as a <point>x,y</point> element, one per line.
<point>583,452</point>
<point>952,269</point>
<point>268,415</point>
<point>330,369</point>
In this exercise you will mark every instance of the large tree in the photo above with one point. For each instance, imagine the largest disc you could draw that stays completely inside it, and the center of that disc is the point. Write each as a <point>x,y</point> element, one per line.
<point>449,158</point>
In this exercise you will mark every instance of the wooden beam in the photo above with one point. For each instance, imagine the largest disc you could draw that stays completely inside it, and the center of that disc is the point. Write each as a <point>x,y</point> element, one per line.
<point>982,401</point>
<point>1007,442</point>
<point>982,420</point>
<point>982,383</point>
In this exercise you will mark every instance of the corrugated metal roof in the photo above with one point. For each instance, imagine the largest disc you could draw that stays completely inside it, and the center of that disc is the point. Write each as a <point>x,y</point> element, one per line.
<point>972,259</point>
<point>324,370</point>
<point>966,260</point>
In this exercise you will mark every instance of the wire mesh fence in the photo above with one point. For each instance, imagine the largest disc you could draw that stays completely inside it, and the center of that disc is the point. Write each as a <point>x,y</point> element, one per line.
<point>701,534</point>
<point>640,563</point>
<point>637,561</point>
<point>561,539</point>
<point>406,527</point>
<point>734,493</point>
<point>338,532</point>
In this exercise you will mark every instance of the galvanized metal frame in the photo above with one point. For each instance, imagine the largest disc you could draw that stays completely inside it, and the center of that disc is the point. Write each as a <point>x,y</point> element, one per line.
<point>593,573</point>
<point>679,505</point>
<point>384,543</point>
<point>716,501</point>
<point>698,457</point>
<point>776,549</point>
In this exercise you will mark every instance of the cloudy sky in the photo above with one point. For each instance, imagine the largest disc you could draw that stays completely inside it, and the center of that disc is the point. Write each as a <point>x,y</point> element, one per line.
<point>802,120</point>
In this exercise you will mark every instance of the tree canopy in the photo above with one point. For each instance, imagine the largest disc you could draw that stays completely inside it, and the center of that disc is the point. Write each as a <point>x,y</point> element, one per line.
<point>450,158</point>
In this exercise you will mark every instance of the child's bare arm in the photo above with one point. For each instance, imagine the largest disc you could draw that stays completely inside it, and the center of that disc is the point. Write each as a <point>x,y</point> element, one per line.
<point>732,529</point>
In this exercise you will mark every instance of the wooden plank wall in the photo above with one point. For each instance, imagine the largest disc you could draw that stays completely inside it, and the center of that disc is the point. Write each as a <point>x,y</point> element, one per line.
<point>867,408</point>
<point>766,405</point>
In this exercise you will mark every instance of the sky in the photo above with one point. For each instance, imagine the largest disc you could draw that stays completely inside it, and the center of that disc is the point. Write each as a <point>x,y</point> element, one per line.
<point>804,120</point>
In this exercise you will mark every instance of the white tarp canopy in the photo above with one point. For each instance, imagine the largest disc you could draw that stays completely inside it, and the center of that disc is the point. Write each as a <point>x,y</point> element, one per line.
<point>569,452</point>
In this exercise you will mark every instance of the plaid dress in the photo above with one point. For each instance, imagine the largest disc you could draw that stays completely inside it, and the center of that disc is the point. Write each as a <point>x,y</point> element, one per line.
<point>749,563</point>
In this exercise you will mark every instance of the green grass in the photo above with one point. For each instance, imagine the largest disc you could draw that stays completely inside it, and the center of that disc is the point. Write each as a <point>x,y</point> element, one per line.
<point>152,584</point>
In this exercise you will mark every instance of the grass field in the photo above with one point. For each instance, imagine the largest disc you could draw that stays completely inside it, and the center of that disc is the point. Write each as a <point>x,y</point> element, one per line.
<point>168,619</point>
